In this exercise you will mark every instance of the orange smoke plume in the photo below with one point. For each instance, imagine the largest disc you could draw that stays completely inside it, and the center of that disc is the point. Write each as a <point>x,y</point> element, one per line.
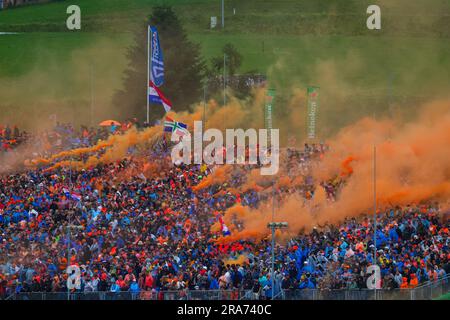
<point>241,259</point>
<point>412,167</point>
<point>346,168</point>
<point>118,148</point>
<point>220,175</point>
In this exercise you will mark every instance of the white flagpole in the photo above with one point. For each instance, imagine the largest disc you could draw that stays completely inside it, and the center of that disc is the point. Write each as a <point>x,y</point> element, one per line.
<point>223,14</point>
<point>375,204</point>
<point>92,94</point>
<point>148,73</point>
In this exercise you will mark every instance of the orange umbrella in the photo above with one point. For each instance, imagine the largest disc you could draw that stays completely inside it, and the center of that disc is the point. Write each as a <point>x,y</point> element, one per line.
<point>107,123</point>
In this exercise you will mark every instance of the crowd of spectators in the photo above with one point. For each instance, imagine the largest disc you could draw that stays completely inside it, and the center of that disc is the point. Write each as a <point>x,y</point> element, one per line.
<point>15,143</point>
<point>10,138</point>
<point>63,136</point>
<point>146,235</point>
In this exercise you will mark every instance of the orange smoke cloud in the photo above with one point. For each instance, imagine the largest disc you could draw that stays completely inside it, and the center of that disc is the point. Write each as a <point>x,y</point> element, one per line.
<point>220,175</point>
<point>412,162</point>
<point>76,152</point>
<point>346,168</point>
<point>241,259</point>
<point>254,221</point>
<point>412,167</point>
<point>118,148</point>
<point>256,181</point>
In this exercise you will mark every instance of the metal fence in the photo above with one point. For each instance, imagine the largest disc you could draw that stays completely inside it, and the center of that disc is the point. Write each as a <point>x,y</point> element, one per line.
<point>427,291</point>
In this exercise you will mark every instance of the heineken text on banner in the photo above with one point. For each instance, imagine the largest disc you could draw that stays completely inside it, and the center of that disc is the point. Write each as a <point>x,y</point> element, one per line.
<point>313,105</point>
<point>268,109</point>
<point>156,63</point>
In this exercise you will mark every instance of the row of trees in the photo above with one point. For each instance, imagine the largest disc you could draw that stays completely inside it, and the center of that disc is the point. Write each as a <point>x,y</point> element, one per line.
<point>185,69</point>
<point>17,3</point>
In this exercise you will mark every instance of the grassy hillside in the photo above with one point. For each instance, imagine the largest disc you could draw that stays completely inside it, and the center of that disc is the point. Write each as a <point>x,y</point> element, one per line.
<point>252,16</point>
<point>46,68</point>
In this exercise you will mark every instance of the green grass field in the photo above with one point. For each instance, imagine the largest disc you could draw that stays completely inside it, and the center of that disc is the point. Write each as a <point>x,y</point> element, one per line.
<point>444,297</point>
<point>294,42</point>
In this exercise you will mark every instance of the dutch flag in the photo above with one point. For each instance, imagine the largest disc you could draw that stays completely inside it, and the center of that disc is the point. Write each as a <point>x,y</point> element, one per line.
<point>225,230</point>
<point>76,197</point>
<point>156,96</point>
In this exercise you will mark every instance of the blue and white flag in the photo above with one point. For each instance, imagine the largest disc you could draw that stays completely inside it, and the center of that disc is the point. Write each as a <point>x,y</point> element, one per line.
<point>156,63</point>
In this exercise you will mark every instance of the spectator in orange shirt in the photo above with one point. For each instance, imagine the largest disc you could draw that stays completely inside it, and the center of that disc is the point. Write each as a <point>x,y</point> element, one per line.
<point>414,281</point>
<point>404,284</point>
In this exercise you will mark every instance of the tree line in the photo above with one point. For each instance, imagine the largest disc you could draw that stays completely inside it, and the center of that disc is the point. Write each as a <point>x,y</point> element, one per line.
<point>186,71</point>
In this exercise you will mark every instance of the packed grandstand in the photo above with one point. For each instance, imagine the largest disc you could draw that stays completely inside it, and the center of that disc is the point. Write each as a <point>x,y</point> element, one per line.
<point>143,225</point>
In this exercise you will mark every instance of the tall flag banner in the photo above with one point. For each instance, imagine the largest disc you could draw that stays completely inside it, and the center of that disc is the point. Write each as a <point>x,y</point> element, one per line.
<point>156,63</point>
<point>156,96</point>
<point>270,97</point>
<point>313,105</point>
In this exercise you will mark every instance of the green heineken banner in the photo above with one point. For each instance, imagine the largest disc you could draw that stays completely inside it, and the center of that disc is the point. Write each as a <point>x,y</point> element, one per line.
<point>269,108</point>
<point>313,105</point>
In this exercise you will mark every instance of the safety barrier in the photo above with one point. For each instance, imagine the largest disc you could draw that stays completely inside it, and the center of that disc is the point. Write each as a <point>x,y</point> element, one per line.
<point>426,291</point>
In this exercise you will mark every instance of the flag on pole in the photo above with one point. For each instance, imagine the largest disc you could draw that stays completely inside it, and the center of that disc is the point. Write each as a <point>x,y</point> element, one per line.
<point>313,105</point>
<point>156,96</point>
<point>175,127</point>
<point>168,125</point>
<point>180,129</point>
<point>268,109</point>
<point>156,63</point>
